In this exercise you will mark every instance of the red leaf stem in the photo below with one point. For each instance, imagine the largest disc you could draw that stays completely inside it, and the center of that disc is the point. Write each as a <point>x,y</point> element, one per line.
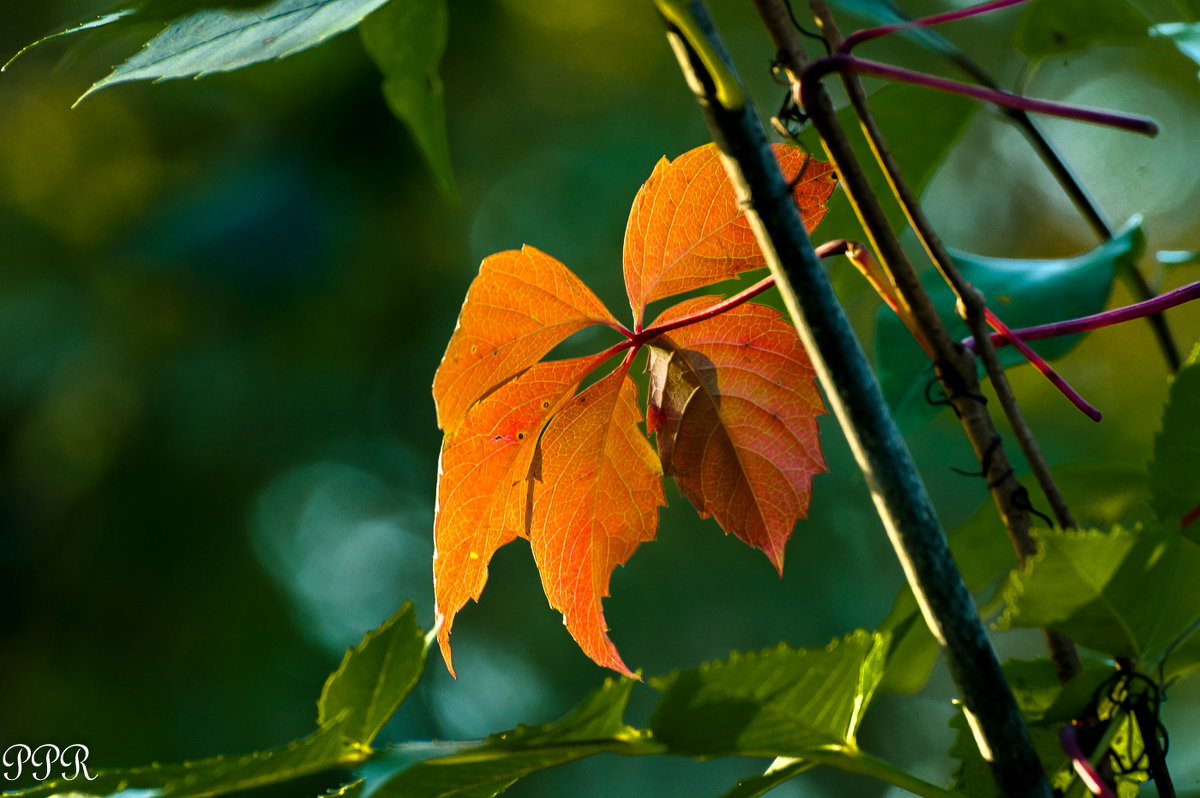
<point>1041,365</point>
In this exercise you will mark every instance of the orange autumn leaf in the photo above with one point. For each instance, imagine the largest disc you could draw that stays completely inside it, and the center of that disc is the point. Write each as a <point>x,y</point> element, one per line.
<point>595,500</point>
<point>482,488</point>
<point>522,304</point>
<point>686,229</point>
<point>525,455</point>
<point>734,409</point>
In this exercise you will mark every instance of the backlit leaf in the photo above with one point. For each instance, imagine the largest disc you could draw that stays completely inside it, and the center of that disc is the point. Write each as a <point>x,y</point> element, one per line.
<point>596,494</point>
<point>222,40</point>
<point>1174,482</point>
<point>686,229</point>
<point>482,488</point>
<point>1058,27</point>
<point>521,305</point>
<point>778,702</point>
<point>734,409</point>
<point>374,677</point>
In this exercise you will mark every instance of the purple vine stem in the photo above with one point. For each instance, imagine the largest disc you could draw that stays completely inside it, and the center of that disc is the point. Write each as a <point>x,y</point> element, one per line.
<point>866,34</point>
<point>1041,365</point>
<point>1086,770</point>
<point>1162,302</point>
<point>839,61</point>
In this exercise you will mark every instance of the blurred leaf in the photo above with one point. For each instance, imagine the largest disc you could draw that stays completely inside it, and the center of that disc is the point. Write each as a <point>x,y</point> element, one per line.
<point>973,778</point>
<point>1022,293</point>
<point>1174,482</point>
<point>1057,27</point>
<point>1124,593</point>
<point>325,749</point>
<point>406,39</point>
<point>1176,257</point>
<point>1185,36</point>
<point>374,677</point>
<point>777,702</point>
<point>755,786</point>
<point>218,40</point>
<point>918,142</point>
<point>595,726</point>
<point>99,22</point>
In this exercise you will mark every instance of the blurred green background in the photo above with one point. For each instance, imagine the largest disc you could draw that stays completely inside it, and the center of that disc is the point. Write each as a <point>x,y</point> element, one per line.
<point>222,304</point>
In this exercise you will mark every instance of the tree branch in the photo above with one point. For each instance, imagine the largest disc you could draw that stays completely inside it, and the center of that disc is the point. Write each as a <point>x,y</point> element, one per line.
<point>856,400</point>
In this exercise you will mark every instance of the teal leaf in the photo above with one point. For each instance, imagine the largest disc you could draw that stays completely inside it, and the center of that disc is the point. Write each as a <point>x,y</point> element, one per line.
<point>374,677</point>
<point>1184,35</point>
<point>1125,593</point>
<point>99,22</point>
<point>1023,293</point>
<point>220,40</point>
<point>482,771</point>
<point>406,39</point>
<point>778,702</point>
<point>1060,27</point>
<point>325,749</point>
<point>1174,481</point>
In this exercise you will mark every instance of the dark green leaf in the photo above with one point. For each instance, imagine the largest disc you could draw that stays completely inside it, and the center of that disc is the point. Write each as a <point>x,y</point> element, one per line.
<point>972,776</point>
<point>778,702</point>
<point>1174,482</point>
<point>919,143</point>
<point>1022,293</point>
<point>325,749</point>
<point>375,677</point>
<point>1057,27</point>
<point>406,39</point>
<point>486,770</point>
<point>219,40</point>
<point>1124,593</point>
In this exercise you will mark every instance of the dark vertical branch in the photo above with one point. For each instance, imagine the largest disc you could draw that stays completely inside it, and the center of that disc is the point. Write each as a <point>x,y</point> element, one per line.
<point>857,401</point>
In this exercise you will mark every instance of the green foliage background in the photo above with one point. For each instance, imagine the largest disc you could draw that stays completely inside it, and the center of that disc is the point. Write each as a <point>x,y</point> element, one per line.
<point>222,303</point>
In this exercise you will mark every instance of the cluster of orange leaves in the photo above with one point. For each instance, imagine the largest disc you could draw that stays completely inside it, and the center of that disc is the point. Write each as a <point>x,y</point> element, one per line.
<point>732,404</point>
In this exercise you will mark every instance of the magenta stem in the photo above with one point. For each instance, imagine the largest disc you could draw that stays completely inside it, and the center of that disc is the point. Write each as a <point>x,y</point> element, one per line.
<point>1041,365</point>
<point>1085,769</point>
<point>1108,318</point>
<point>840,61</point>
<point>866,34</point>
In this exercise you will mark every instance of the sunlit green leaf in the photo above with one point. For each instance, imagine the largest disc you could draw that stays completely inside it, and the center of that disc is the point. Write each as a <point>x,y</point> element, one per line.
<point>778,702</point>
<point>406,39</point>
<point>1174,481</point>
<point>1126,593</point>
<point>352,790</point>
<point>486,770</point>
<point>220,40</point>
<point>1023,293</point>
<point>1057,27</point>
<point>374,677</point>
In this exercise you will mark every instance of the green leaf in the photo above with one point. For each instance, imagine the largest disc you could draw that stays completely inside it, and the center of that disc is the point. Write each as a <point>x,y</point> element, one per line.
<point>778,702</point>
<point>1023,293</point>
<point>325,749</point>
<point>595,726</point>
<point>1058,27</point>
<point>1174,483</point>
<point>406,39</point>
<point>220,40</point>
<point>973,778</point>
<point>1124,593</point>
<point>375,677</point>
<point>755,786</point>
